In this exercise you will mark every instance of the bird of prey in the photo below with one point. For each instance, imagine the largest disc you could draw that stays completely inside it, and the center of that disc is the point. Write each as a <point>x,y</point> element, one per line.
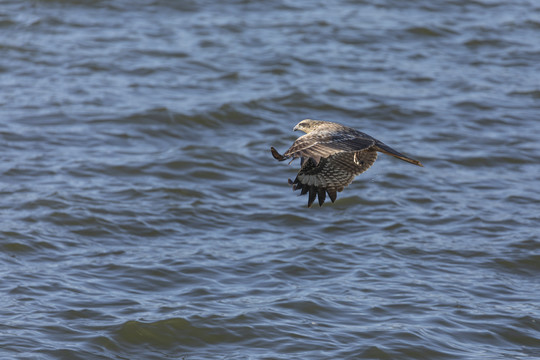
<point>331,156</point>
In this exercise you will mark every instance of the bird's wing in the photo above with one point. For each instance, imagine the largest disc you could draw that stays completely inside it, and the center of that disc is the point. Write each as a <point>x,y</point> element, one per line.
<point>317,145</point>
<point>385,149</point>
<point>332,173</point>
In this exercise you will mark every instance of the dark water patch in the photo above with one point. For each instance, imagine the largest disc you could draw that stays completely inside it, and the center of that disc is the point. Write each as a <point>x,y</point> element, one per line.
<point>491,161</point>
<point>532,93</point>
<point>167,333</point>
<point>421,79</point>
<point>14,247</point>
<point>429,31</point>
<point>494,43</point>
<point>165,53</point>
<point>473,105</point>
<point>526,265</point>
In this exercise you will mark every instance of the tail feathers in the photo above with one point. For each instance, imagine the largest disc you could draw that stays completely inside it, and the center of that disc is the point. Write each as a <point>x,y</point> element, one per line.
<point>385,149</point>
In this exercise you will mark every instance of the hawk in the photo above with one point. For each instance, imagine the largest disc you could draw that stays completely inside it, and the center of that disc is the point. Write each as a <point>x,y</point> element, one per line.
<point>331,156</point>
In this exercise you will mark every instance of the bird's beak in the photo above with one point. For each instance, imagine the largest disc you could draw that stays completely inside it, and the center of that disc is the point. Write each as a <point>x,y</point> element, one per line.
<point>295,128</point>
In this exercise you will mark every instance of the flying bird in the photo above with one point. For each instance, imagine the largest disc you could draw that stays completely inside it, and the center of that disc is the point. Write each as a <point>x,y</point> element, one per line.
<point>331,156</point>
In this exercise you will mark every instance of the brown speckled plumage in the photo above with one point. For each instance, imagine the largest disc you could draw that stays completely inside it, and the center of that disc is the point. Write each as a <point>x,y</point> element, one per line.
<point>331,156</point>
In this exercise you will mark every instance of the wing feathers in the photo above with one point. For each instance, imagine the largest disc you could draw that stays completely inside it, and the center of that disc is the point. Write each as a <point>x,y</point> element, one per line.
<point>277,155</point>
<point>332,193</point>
<point>331,174</point>
<point>322,195</point>
<point>318,146</point>
<point>312,195</point>
<point>385,149</point>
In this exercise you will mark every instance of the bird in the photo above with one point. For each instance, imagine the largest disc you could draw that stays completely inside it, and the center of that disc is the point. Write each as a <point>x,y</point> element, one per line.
<point>331,156</point>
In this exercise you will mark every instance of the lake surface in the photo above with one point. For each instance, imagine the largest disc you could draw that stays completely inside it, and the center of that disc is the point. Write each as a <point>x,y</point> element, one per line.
<point>143,216</point>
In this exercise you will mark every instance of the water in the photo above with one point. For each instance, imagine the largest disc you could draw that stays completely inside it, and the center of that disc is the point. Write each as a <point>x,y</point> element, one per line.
<point>143,216</point>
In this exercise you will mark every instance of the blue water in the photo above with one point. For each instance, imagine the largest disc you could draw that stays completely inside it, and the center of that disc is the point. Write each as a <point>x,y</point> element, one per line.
<point>143,216</point>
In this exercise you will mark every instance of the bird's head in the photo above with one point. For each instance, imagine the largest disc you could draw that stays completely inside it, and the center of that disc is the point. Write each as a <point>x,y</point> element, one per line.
<point>308,125</point>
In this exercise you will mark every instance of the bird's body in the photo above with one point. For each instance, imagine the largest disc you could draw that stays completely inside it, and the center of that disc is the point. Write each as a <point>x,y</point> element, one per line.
<point>331,156</point>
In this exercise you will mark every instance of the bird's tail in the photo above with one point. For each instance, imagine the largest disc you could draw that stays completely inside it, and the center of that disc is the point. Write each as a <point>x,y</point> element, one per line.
<point>385,149</point>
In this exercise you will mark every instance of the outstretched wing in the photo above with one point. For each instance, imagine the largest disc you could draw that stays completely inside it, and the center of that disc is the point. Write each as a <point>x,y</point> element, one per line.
<point>321,144</point>
<point>331,174</point>
<point>385,149</point>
